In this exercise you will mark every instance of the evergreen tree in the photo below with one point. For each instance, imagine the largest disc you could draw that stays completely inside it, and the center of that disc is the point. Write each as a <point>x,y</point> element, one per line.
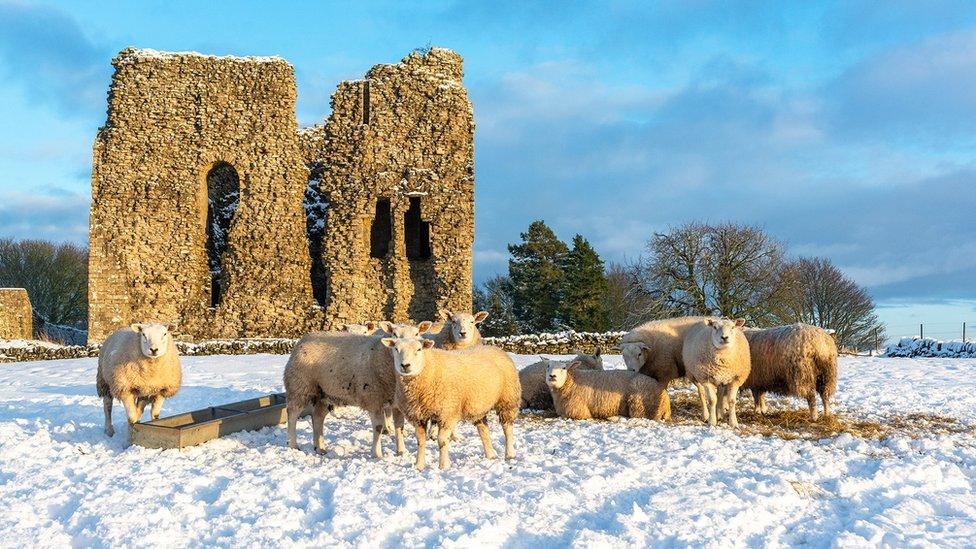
<point>537,279</point>
<point>495,299</point>
<point>585,288</point>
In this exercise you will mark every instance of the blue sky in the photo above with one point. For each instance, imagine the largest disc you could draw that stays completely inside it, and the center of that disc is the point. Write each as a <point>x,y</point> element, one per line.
<point>845,129</point>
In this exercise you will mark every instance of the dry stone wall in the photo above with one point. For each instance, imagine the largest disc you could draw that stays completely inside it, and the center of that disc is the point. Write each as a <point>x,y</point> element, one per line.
<point>201,179</point>
<point>15,314</point>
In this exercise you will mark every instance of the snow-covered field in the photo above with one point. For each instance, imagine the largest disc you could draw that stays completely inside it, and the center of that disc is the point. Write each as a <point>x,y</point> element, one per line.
<point>617,483</point>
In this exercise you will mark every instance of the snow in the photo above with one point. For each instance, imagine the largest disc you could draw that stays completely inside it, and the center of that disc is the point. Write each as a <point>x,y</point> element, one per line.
<point>603,483</point>
<point>929,347</point>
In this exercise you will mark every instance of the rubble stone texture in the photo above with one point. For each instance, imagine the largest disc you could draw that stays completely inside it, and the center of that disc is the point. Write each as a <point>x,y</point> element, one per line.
<point>15,314</point>
<point>207,198</point>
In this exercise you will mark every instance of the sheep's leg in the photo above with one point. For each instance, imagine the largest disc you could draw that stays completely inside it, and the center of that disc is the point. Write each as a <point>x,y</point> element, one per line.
<point>723,402</point>
<point>759,399</point>
<point>421,428</point>
<point>732,392</point>
<point>812,404</point>
<point>157,406</point>
<point>482,425</point>
<point>293,412</point>
<point>704,400</point>
<point>401,448</point>
<point>107,406</point>
<point>318,420</point>
<point>712,404</point>
<point>826,403</point>
<point>379,420</point>
<point>444,431</point>
<point>509,440</point>
<point>131,407</point>
<point>141,403</point>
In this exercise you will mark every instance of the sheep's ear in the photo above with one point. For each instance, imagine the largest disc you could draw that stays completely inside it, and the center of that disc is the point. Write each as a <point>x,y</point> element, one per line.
<point>644,346</point>
<point>574,365</point>
<point>444,314</point>
<point>597,352</point>
<point>171,327</point>
<point>387,326</point>
<point>389,342</point>
<point>710,321</point>
<point>371,326</point>
<point>136,328</point>
<point>740,322</point>
<point>428,343</point>
<point>424,326</point>
<point>480,316</point>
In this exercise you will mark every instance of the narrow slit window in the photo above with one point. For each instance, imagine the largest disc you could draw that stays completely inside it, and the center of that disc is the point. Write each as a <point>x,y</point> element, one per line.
<point>366,102</point>
<point>316,205</point>
<point>223,197</point>
<point>381,231</point>
<point>416,232</point>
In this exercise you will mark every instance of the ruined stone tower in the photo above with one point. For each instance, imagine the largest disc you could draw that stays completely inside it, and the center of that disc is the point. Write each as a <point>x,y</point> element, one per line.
<point>212,209</point>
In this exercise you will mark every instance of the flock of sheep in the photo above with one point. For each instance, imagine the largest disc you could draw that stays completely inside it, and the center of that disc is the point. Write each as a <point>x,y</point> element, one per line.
<point>434,376</point>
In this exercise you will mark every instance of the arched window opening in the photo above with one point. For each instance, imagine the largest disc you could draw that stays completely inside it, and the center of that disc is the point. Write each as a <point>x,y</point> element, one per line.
<point>416,232</point>
<point>223,196</point>
<point>381,231</point>
<point>316,205</point>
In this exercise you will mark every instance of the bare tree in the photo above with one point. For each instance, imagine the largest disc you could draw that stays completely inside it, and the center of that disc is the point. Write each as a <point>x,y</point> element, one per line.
<point>54,275</point>
<point>728,269</point>
<point>821,295</point>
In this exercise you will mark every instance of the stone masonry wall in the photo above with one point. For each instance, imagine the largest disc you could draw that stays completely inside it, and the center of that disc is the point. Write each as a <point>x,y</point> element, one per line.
<point>15,314</point>
<point>404,132</point>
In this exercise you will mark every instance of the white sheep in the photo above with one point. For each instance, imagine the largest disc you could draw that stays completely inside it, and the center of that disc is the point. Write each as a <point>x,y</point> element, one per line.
<point>458,331</point>
<point>369,328</point>
<point>138,364</point>
<point>654,348</point>
<point>535,390</point>
<point>328,369</point>
<point>450,386</point>
<point>716,359</point>
<point>578,393</point>
<point>798,360</point>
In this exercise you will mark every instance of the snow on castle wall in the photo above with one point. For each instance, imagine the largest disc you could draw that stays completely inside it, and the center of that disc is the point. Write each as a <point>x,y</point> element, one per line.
<point>211,208</point>
<point>15,314</point>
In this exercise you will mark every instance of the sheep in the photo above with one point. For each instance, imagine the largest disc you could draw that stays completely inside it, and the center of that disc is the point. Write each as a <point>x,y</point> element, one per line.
<point>328,369</point>
<point>368,328</point>
<point>458,331</point>
<point>535,391</point>
<point>578,393</point>
<point>716,358</point>
<point>654,348</point>
<point>451,386</point>
<point>795,360</point>
<point>385,327</point>
<point>138,364</point>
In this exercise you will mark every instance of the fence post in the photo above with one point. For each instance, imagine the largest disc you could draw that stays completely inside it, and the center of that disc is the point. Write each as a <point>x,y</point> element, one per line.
<point>921,331</point>
<point>963,332</point>
<point>875,340</point>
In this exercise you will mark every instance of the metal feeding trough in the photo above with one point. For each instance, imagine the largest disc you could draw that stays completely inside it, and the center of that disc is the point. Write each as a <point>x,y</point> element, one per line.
<point>199,426</point>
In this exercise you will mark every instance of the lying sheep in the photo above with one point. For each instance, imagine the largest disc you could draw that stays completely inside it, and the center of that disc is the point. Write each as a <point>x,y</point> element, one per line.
<point>535,390</point>
<point>138,364</point>
<point>795,360</point>
<point>452,386</point>
<point>654,348</point>
<point>716,358</point>
<point>459,331</point>
<point>328,369</point>
<point>586,394</point>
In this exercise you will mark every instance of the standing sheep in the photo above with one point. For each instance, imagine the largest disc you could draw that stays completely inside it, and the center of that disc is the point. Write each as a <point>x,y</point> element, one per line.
<point>459,331</point>
<point>328,369</point>
<point>794,360</point>
<point>535,390</point>
<point>716,358</point>
<point>138,364</point>
<point>452,386</point>
<point>589,394</point>
<point>655,348</point>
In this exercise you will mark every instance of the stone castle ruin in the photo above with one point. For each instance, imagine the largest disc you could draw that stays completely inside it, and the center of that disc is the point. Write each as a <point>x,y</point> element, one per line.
<point>212,209</point>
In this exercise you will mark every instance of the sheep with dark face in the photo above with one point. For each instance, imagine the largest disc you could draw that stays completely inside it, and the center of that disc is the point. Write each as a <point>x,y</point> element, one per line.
<point>138,365</point>
<point>795,360</point>
<point>716,358</point>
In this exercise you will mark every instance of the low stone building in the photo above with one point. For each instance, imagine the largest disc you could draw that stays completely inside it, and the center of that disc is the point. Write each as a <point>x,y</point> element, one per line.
<point>15,314</point>
<point>212,209</point>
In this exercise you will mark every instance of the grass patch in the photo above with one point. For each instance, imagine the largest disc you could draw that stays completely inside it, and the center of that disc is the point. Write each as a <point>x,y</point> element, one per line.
<point>794,423</point>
